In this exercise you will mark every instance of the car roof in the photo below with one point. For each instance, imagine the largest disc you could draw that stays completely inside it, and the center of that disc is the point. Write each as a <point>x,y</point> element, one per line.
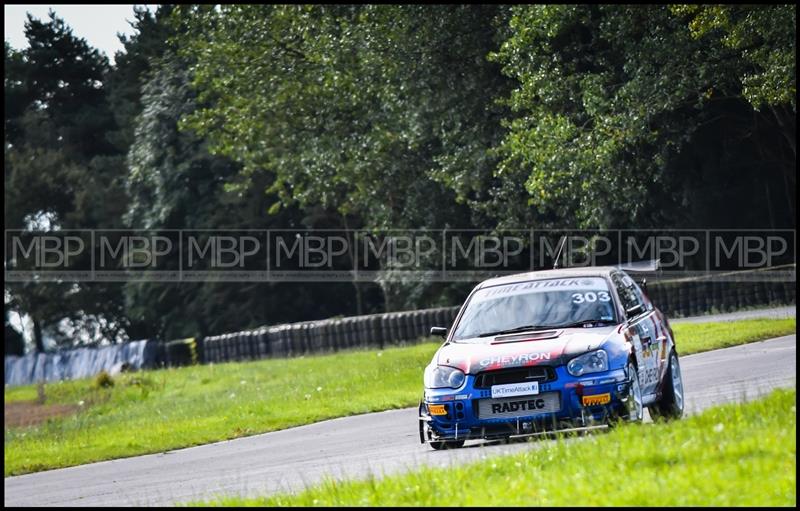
<point>587,271</point>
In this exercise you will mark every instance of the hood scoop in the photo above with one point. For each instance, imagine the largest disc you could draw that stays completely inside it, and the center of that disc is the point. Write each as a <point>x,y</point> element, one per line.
<point>533,336</point>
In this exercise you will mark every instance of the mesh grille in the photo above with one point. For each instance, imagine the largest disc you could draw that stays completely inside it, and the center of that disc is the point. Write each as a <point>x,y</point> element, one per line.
<point>541,374</point>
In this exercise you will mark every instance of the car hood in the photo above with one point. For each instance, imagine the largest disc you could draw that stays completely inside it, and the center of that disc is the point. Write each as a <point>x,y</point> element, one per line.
<point>552,347</point>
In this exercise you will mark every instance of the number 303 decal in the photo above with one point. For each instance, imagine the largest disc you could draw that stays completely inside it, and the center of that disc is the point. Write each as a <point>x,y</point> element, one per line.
<point>590,296</point>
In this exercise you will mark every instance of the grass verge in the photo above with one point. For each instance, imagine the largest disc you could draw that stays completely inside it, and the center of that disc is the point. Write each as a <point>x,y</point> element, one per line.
<point>699,337</point>
<point>731,455</point>
<point>155,411</point>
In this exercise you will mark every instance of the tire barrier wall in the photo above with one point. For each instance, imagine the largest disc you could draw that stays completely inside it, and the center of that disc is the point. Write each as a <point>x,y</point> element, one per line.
<point>329,335</point>
<point>80,362</point>
<point>694,297</point>
<point>181,352</point>
<point>675,298</point>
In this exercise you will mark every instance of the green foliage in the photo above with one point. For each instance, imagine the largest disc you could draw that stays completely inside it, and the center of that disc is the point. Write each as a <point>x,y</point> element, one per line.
<point>172,178</point>
<point>379,116</point>
<point>133,67</point>
<point>608,96</point>
<point>103,380</point>
<point>57,165</point>
<point>357,109</point>
<point>174,182</point>
<point>764,40</point>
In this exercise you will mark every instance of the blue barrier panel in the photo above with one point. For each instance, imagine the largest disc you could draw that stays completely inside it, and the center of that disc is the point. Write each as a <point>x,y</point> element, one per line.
<point>77,363</point>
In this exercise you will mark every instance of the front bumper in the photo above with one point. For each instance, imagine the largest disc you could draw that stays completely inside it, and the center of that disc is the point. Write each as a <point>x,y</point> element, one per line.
<point>462,421</point>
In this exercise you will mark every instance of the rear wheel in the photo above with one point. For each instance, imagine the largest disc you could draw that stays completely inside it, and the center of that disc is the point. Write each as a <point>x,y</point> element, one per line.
<point>446,444</point>
<point>670,405</point>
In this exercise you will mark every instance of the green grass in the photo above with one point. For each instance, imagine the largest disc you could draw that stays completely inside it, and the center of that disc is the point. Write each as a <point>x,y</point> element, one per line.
<point>155,411</point>
<point>159,410</point>
<point>698,337</point>
<point>732,455</point>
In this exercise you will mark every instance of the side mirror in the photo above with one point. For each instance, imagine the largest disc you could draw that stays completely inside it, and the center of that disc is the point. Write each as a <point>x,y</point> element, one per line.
<point>643,285</point>
<point>439,330</point>
<point>635,310</point>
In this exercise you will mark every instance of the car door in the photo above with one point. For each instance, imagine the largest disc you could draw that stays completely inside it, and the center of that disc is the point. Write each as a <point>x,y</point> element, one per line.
<point>663,334</point>
<point>642,330</point>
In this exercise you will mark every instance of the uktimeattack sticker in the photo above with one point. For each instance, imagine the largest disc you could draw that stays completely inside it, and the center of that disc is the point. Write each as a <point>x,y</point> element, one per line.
<point>515,389</point>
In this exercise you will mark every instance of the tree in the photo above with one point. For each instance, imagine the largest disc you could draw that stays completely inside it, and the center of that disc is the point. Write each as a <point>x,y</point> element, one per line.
<point>380,115</point>
<point>176,183</point>
<point>762,39</point>
<point>14,342</point>
<point>611,101</point>
<point>763,42</point>
<point>55,158</point>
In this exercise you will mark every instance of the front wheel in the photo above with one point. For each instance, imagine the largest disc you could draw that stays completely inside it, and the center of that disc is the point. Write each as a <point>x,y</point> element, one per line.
<point>634,403</point>
<point>633,409</point>
<point>670,405</point>
<point>446,444</point>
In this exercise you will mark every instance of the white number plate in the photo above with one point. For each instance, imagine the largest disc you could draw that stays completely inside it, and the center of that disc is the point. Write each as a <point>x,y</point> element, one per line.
<point>515,389</point>
<point>511,407</point>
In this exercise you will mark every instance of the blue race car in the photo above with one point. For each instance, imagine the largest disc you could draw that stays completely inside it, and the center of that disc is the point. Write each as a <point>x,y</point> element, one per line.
<point>546,350</point>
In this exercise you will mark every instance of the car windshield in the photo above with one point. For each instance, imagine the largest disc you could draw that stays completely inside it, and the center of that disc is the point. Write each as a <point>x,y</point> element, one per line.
<point>536,304</point>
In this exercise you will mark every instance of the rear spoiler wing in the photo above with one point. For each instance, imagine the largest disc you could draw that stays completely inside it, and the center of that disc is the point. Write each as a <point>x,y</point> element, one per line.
<point>650,265</point>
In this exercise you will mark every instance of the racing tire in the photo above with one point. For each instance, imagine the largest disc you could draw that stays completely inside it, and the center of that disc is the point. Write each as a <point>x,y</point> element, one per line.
<point>446,444</point>
<point>634,407</point>
<point>670,404</point>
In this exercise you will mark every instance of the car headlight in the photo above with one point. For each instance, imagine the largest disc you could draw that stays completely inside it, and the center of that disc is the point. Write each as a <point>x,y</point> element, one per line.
<point>440,377</point>
<point>592,362</point>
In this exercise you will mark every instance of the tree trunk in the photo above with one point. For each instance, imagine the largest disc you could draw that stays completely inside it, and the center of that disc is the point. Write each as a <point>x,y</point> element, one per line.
<point>37,335</point>
<point>359,299</point>
<point>786,121</point>
<point>388,303</point>
<point>790,191</point>
<point>356,284</point>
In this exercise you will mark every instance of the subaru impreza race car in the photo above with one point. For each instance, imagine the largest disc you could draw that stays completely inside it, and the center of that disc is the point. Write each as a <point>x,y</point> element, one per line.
<point>555,349</point>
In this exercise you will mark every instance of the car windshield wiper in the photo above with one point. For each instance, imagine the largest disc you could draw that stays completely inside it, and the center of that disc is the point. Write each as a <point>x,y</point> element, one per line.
<point>513,330</point>
<point>583,323</point>
<point>525,328</point>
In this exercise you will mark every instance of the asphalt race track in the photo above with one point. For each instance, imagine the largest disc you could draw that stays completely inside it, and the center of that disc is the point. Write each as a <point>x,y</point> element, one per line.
<point>353,447</point>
